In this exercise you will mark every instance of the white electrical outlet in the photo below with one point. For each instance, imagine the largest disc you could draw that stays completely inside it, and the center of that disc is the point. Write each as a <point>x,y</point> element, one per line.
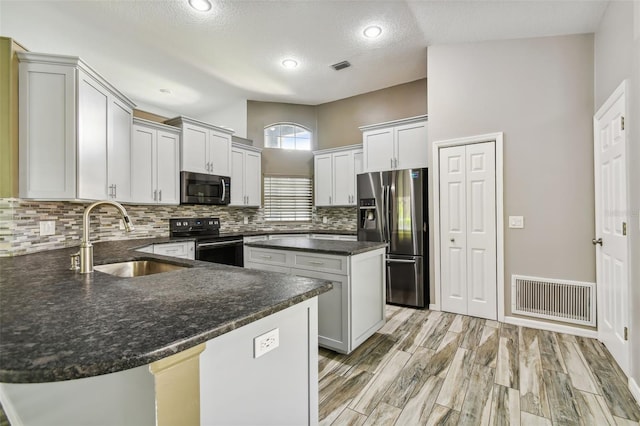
<point>324,219</point>
<point>516,221</point>
<point>266,342</point>
<point>246,220</point>
<point>121,224</point>
<point>47,227</point>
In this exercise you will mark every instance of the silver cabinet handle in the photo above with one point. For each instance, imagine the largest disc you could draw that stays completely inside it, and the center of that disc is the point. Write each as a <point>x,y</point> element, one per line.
<point>598,241</point>
<point>329,199</point>
<point>315,262</point>
<point>392,163</point>
<point>115,191</point>
<point>155,195</point>
<point>224,189</point>
<point>160,195</point>
<point>400,261</point>
<point>264,256</point>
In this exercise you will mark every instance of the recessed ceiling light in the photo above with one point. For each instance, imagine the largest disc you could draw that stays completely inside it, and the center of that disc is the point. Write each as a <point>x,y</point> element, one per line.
<point>289,63</point>
<point>200,5</point>
<point>372,32</point>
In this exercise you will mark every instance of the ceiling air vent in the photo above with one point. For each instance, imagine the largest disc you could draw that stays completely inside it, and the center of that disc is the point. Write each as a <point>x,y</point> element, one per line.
<point>341,65</point>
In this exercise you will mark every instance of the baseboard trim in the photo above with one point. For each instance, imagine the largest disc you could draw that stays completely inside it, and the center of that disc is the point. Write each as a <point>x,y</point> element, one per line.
<point>558,328</point>
<point>635,389</point>
<point>433,307</point>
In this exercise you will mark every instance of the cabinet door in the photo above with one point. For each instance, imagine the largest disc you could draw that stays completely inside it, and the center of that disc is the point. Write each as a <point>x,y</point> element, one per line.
<point>333,310</point>
<point>168,173</point>
<point>119,151</point>
<point>195,149</point>
<point>93,109</point>
<point>253,178</point>
<point>220,153</point>
<point>47,131</point>
<point>378,150</point>
<point>143,166</point>
<point>323,180</point>
<point>358,167</point>
<point>237,178</point>
<point>342,178</point>
<point>411,145</point>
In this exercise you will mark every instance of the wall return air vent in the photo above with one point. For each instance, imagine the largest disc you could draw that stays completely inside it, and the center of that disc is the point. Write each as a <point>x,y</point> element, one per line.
<point>560,300</point>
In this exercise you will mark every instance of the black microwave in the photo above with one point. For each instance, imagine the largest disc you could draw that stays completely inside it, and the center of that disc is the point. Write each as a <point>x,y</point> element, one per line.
<point>201,188</point>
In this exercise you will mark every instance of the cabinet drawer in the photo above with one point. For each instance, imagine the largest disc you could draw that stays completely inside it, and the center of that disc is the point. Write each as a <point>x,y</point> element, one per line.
<point>334,264</point>
<point>184,250</point>
<point>279,236</point>
<point>266,256</point>
<point>255,238</point>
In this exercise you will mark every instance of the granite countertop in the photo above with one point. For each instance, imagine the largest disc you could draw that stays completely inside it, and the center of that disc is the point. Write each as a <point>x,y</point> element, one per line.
<point>337,247</point>
<point>57,324</point>
<point>279,231</point>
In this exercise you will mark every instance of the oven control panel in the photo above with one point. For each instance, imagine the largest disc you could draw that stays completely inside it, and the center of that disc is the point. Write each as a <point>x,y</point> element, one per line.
<point>194,226</point>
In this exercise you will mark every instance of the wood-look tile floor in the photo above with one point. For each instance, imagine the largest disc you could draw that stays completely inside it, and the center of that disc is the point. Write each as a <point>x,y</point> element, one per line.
<point>427,367</point>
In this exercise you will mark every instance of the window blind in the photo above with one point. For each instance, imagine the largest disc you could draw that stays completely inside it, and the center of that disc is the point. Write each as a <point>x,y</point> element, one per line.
<point>287,199</point>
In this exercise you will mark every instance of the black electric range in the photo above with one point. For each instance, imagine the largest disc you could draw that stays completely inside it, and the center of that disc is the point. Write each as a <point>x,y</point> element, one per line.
<point>210,246</point>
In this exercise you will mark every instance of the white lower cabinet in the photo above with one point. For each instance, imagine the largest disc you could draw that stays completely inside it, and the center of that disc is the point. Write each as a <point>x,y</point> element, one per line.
<point>354,309</point>
<point>155,163</point>
<point>278,388</point>
<point>183,249</point>
<point>234,386</point>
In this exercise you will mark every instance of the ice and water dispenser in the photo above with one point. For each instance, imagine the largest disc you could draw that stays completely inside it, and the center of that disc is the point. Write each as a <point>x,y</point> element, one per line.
<point>368,213</point>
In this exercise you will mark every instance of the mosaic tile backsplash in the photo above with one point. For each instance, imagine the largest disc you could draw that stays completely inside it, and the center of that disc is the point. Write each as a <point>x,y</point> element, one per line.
<point>20,222</point>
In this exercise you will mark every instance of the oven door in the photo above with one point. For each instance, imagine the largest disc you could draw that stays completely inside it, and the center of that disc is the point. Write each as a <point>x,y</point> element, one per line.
<point>200,188</point>
<point>229,252</point>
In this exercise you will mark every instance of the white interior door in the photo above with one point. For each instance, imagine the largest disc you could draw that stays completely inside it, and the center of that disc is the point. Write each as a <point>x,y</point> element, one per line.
<point>481,230</point>
<point>468,229</point>
<point>453,233</point>
<point>611,241</point>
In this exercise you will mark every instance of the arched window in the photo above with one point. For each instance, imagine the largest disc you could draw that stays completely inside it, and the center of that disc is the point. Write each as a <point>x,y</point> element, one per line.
<point>287,136</point>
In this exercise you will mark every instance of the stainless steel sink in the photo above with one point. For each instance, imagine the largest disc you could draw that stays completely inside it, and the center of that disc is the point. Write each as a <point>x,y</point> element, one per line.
<point>137,268</point>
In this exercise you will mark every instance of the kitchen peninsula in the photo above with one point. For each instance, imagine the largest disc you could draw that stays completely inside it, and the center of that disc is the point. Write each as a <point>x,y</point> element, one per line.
<point>100,349</point>
<point>354,308</point>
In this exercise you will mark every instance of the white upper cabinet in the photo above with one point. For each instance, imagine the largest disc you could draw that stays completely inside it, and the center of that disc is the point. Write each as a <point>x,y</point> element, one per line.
<point>395,145</point>
<point>75,131</point>
<point>204,148</point>
<point>155,169</point>
<point>246,175</point>
<point>335,175</point>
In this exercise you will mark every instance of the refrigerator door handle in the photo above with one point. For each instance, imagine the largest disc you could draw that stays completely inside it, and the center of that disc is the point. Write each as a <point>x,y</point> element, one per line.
<point>401,261</point>
<point>385,214</point>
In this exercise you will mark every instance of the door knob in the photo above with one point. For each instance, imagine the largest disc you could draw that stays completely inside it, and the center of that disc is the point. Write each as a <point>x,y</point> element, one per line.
<point>598,241</point>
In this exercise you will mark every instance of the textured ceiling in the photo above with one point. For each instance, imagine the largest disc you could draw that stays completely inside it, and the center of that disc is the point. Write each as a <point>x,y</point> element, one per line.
<point>235,51</point>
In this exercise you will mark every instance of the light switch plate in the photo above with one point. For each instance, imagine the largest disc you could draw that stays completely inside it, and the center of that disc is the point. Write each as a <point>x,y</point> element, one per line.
<point>516,222</point>
<point>246,220</point>
<point>47,227</point>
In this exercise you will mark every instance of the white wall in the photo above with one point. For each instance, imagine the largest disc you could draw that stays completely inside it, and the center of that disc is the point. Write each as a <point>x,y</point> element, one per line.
<point>539,92</point>
<point>617,57</point>
<point>232,115</point>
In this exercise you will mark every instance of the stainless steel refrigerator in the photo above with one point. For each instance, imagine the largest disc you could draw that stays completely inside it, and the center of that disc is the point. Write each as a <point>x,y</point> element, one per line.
<point>392,207</point>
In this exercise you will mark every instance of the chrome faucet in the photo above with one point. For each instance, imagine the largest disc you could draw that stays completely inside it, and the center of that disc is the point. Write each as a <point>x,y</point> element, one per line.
<point>86,248</point>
